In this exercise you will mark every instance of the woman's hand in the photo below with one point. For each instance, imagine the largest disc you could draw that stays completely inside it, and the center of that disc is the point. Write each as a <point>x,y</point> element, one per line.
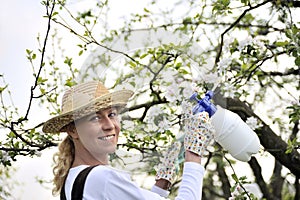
<point>167,168</point>
<point>198,133</point>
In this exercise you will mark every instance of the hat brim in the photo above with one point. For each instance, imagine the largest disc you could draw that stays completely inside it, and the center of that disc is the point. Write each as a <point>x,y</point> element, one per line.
<point>115,99</point>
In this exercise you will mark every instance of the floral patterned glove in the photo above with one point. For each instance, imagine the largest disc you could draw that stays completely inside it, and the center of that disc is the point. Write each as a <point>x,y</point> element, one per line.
<point>198,132</point>
<point>167,168</point>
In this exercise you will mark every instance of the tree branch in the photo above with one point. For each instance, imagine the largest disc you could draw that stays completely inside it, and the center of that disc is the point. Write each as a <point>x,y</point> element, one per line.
<point>287,73</point>
<point>49,14</point>
<point>234,25</point>
<point>224,179</point>
<point>277,180</point>
<point>256,168</point>
<point>297,188</point>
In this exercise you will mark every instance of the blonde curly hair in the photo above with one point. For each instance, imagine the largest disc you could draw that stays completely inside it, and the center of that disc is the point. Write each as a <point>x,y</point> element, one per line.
<point>63,161</point>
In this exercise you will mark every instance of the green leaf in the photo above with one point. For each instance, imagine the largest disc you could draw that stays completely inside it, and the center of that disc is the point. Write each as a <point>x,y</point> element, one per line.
<point>54,13</point>
<point>178,65</point>
<point>133,64</point>
<point>70,82</point>
<point>43,91</point>
<point>297,61</point>
<point>11,134</point>
<point>235,178</point>
<point>3,88</point>
<point>143,56</point>
<point>41,80</point>
<point>187,20</point>
<point>68,61</point>
<point>28,51</point>
<point>248,18</point>
<point>281,43</point>
<point>246,2</point>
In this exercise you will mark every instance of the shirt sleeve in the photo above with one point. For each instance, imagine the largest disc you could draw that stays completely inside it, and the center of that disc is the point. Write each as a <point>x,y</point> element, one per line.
<point>192,180</point>
<point>109,184</point>
<point>106,183</point>
<point>161,192</point>
<point>191,184</point>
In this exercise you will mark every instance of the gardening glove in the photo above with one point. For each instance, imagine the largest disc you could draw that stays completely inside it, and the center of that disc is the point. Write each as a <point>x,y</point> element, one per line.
<point>168,166</point>
<point>198,131</point>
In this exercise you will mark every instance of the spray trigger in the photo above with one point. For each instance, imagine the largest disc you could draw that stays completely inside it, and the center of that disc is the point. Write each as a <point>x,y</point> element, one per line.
<point>204,104</point>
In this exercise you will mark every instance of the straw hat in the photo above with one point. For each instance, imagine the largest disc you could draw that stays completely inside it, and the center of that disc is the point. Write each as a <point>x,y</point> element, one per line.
<point>84,99</point>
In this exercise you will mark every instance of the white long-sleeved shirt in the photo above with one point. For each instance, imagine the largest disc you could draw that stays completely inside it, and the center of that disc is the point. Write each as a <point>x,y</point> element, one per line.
<point>107,183</point>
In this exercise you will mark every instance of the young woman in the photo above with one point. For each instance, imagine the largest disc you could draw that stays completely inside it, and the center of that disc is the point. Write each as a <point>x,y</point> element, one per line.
<point>89,115</point>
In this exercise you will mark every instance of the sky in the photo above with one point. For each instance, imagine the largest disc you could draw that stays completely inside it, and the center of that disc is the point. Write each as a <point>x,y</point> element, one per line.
<point>20,22</point>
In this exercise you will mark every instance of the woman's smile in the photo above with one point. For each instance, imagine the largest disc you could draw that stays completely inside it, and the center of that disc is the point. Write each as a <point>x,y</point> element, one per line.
<point>110,138</point>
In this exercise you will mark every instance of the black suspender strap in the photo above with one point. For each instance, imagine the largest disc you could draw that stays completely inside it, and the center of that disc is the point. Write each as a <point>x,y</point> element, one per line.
<point>62,192</point>
<point>78,185</point>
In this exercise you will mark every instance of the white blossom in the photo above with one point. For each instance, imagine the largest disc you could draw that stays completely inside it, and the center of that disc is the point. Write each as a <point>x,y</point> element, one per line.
<point>224,63</point>
<point>188,89</point>
<point>250,188</point>
<point>259,43</point>
<point>245,42</point>
<point>127,124</point>
<point>142,77</point>
<point>123,86</point>
<point>229,90</point>
<point>5,156</point>
<point>195,87</point>
<point>153,112</point>
<point>168,74</point>
<point>238,190</point>
<point>163,125</point>
<point>172,92</point>
<point>38,153</point>
<point>186,106</point>
<point>211,77</point>
<point>253,123</point>
<point>151,127</point>
<point>227,43</point>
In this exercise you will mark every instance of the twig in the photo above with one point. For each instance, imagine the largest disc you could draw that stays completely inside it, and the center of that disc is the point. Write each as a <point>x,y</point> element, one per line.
<point>235,24</point>
<point>49,14</point>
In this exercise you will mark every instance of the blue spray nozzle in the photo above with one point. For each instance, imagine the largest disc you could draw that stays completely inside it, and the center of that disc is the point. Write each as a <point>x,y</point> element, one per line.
<point>204,104</point>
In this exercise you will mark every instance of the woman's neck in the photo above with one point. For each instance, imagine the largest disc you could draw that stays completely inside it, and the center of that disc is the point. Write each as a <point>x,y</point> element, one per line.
<point>79,160</point>
<point>84,157</point>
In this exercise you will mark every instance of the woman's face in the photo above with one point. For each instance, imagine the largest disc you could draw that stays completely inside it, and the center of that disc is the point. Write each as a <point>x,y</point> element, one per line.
<point>99,132</point>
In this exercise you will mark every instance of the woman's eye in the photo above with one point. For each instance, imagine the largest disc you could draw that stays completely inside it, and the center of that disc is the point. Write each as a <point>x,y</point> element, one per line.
<point>113,114</point>
<point>94,118</point>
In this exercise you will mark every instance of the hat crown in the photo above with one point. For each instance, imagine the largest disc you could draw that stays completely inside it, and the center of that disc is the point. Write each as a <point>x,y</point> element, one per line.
<point>84,99</point>
<point>82,94</point>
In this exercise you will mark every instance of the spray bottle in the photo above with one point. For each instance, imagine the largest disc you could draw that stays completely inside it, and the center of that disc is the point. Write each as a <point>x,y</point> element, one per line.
<point>231,132</point>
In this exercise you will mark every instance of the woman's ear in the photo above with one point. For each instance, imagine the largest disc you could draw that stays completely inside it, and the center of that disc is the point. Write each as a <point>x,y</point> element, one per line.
<point>72,132</point>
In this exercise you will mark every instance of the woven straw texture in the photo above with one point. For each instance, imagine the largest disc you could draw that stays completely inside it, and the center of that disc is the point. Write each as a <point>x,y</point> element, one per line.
<point>84,99</point>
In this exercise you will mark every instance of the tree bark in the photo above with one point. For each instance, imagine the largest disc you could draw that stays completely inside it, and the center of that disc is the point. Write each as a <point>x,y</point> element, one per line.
<point>256,168</point>
<point>224,179</point>
<point>277,180</point>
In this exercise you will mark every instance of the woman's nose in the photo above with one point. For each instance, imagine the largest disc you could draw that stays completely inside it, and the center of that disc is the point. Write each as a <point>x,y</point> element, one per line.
<point>107,123</point>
